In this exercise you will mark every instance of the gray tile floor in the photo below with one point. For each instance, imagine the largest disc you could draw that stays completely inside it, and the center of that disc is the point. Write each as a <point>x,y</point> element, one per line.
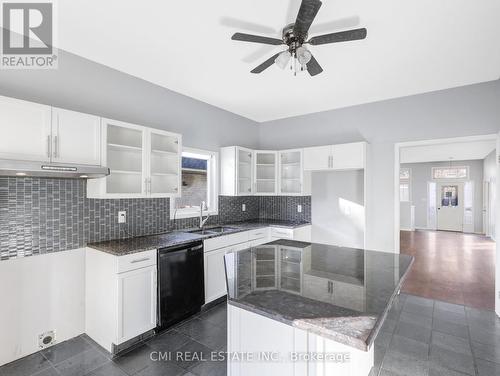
<point>421,337</point>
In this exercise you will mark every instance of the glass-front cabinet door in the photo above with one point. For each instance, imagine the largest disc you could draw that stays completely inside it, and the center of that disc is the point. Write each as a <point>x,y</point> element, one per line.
<point>124,154</point>
<point>266,172</point>
<point>291,174</point>
<point>165,164</point>
<point>244,169</point>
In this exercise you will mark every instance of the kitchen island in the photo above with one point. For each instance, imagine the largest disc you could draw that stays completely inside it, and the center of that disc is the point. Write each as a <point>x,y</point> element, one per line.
<point>299,308</point>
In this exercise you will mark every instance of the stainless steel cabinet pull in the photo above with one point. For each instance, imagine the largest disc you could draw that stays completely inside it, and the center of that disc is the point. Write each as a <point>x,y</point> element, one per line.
<point>48,146</point>
<point>139,260</point>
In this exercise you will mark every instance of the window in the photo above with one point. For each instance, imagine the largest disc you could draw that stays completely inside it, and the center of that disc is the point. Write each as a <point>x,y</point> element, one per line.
<point>450,172</point>
<point>404,184</point>
<point>199,185</point>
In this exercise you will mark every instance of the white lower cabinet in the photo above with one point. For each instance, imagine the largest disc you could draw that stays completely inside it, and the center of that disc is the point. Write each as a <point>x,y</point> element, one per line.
<point>215,274</point>
<point>251,333</point>
<point>120,296</point>
<point>302,234</point>
<point>136,302</point>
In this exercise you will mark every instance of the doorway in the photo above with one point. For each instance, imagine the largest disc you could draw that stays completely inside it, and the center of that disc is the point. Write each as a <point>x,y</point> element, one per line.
<point>454,255</point>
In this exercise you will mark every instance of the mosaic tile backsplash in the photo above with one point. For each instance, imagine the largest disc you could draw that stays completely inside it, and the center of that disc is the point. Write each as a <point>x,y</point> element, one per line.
<point>40,215</point>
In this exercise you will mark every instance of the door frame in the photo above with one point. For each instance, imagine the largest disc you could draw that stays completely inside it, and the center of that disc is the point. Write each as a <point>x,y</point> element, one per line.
<point>397,152</point>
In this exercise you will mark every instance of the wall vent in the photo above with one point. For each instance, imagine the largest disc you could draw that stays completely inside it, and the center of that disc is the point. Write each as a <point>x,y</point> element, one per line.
<point>47,339</point>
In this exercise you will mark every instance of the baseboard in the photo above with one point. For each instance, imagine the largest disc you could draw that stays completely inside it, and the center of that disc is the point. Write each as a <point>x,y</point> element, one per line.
<point>424,228</point>
<point>406,229</point>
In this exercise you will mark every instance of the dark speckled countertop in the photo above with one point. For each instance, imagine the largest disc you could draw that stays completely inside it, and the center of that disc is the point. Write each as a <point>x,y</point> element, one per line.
<point>121,247</point>
<point>342,294</point>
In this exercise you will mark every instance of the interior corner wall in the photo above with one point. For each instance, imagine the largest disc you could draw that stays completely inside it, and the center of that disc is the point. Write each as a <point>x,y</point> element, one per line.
<point>338,208</point>
<point>464,111</point>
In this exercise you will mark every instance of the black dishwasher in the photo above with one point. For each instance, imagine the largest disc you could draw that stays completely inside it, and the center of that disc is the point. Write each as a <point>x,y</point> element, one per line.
<point>181,286</point>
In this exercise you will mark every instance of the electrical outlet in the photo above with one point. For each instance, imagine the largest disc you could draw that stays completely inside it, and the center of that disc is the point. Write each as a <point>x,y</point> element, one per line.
<point>299,208</point>
<point>122,217</point>
<point>243,207</point>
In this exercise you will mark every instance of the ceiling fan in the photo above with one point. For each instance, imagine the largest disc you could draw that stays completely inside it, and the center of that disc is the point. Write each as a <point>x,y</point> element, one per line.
<point>295,36</point>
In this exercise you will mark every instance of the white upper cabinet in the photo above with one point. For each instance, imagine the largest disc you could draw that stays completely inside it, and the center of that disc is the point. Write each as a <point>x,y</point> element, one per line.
<point>318,158</point>
<point>25,130</point>
<point>143,162</point>
<point>291,173</point>
<point>335,157</point>
<point>75,137</point>
<point>349,156</point>
<point>237,171</point>
<point>265,172</point>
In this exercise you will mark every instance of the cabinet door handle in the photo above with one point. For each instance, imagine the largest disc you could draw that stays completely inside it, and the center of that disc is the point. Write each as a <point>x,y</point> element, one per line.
<point>139,260</point>
<point>56,145</point>
<point>48,146</point>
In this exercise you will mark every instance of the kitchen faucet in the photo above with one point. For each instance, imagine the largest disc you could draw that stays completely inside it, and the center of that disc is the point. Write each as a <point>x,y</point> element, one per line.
<point>203,206</point>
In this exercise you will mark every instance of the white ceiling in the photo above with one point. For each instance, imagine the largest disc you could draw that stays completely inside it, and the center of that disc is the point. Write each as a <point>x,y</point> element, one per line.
<point>412,47</point>
<point>456,151</point>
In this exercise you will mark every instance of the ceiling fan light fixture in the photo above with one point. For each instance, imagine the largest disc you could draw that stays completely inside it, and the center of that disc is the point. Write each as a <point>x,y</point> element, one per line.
<point>303,55</point>
<point>283,59</point>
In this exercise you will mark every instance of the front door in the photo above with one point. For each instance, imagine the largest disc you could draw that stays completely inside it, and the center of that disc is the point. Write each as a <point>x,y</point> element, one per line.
<point>450,205</point>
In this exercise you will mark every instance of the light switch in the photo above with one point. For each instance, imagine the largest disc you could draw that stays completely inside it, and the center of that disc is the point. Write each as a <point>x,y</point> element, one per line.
<point>122,217</point>
<point>243,207</point>
<point>299,208</point>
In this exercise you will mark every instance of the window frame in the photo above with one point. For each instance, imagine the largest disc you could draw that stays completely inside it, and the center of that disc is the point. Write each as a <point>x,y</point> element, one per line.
<point>212,186</point>
<point>467,169</point>
<point>405,181</point>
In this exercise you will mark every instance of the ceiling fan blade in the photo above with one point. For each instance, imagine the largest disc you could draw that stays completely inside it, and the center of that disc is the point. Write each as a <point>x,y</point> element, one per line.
<point>343,36</point>
<point>266,64</point>
<point>256,39</point>
<point>313,67</point>
<point>307,13</point>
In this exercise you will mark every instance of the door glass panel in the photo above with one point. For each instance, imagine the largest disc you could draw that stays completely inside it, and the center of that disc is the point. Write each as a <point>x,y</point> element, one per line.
<point>165,164</point>
<point>449,195</point>
<point>124,152</point>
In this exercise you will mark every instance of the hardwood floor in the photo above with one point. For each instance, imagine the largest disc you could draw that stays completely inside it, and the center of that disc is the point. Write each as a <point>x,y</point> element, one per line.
<point>453,267</point>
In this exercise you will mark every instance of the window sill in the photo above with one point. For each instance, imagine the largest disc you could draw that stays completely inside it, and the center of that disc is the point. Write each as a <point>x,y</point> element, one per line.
<point>191,214</point>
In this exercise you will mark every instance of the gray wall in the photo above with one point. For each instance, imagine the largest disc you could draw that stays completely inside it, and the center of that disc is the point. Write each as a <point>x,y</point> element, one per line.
<point>82,85</point>
<point>338,213</point>
<point>471,110</point>
<point>421,173</point>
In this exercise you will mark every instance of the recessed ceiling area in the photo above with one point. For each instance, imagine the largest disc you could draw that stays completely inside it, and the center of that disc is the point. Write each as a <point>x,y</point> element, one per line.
<point>452,151</point>
<point>412,47</point>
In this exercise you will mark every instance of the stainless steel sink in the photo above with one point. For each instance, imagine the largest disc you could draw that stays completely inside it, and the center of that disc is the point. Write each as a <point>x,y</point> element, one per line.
<point>213,230</point>
<point>202,232</point>
<point>221,229</point>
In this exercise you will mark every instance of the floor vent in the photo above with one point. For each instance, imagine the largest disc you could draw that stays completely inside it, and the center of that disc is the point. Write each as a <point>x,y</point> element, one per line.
<point>47,339</point>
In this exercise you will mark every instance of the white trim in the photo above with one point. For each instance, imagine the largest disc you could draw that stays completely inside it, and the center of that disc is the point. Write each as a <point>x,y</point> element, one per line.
<point>213,189</point>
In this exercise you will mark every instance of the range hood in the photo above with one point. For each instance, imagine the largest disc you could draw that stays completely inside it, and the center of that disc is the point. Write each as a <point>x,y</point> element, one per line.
<point>51,170</point>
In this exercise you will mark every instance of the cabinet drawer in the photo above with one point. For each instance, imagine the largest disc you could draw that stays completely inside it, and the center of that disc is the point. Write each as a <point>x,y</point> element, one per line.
<point>136,261</point>
<point>225,241</point>
<point>282,233</point>
<point>258,234</point>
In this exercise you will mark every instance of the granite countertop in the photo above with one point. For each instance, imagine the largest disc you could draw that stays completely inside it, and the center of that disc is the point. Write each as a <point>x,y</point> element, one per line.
<point>121,247</point>
<point>365,284</point>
